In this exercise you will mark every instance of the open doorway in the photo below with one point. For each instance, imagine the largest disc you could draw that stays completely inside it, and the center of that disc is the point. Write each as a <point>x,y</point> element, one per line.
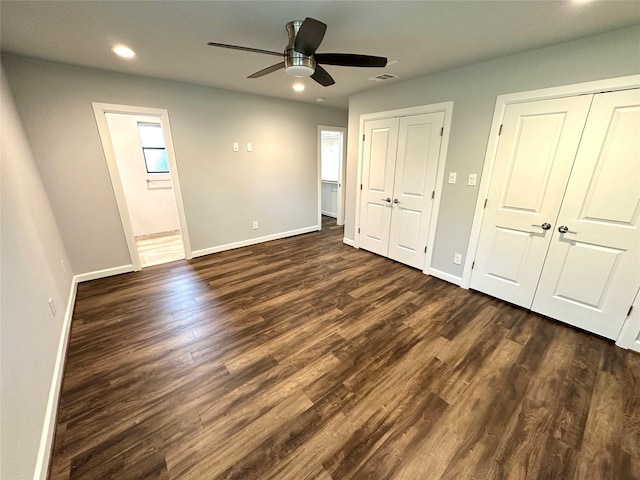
<point>331,151</point>
<point>138,148</point>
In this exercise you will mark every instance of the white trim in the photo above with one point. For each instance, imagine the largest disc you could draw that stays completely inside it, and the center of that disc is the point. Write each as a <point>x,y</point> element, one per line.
<point>435,207</point>
<point>329,214</point>
<point>253,241</point>
<point>621,83</point>
<point>447,108</point>
<point>100,110</point>
<point>629,336</point>
<point>348,241</point>
<point>444,276</point>
<point>51,413</point>
<point>339,216</point>
<point>107,272</point>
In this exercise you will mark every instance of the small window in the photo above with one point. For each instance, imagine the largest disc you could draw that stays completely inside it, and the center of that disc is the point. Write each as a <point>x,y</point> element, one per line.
<point>153,148</point>
<point>331,146</point>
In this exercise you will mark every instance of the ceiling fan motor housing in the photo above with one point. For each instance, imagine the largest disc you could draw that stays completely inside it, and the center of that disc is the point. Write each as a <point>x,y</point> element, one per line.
<point>297,64</point>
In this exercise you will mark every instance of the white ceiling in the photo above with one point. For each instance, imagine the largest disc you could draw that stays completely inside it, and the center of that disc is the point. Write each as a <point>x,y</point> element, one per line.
<point>170,37</point>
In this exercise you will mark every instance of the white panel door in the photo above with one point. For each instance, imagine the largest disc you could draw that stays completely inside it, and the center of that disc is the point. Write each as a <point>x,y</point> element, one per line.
<point>378,167</point>
<point>592,271</point>
<point>532,166</point>
<point>416,165</point>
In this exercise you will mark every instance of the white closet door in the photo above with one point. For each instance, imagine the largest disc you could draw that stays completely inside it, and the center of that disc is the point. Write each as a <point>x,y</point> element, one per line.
<point>592,271</point>
<point>417,162</point>
<point>534,158</point>
<point>378,167</point>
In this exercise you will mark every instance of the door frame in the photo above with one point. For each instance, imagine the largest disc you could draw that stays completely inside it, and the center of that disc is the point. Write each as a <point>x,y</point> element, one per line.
<point>100,110</point>
<point>447,108</point>
<point>502,101</point>
<point>340,202</point>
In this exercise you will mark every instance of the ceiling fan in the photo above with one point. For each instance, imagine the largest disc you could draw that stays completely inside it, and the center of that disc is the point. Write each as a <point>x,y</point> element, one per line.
<point>300,57</point>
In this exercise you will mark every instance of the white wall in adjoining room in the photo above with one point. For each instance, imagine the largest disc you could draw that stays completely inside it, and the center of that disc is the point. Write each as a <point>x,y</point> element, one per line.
<point>474,89</point>
<point>31,272</point>
<point>330,151</point>
<point>330,199</point>
<point>223,191</point>
<point>151,204</point>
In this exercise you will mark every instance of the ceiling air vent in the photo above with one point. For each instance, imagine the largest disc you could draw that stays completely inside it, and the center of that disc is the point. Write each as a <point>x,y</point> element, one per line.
<point>383,77</point>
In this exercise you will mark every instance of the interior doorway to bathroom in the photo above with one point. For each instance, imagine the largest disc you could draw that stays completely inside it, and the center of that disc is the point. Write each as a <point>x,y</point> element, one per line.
<point>142,166</point>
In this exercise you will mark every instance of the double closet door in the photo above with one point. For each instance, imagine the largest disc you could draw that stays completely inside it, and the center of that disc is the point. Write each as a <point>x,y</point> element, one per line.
<point>400,161</point>
<point>560,229</point>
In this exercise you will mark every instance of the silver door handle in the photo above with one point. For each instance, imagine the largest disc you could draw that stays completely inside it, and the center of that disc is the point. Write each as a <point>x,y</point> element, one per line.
<point>544,226</point>
<point>388,199</point>
<point>565,229</point>
<point>396,201</point>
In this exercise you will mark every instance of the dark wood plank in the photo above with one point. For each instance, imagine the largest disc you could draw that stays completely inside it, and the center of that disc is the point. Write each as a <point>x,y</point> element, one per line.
<point>303,358</point>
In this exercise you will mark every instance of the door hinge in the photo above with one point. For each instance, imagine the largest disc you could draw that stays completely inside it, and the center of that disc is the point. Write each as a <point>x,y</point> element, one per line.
<point>441,131</point>
<point>360,186</point>
<point>433,194</point>
<point>629,312</point>
<point>358,229</point>
<point>485,203</point>
<point>425,249</point>
<point>363,137</point>
<point>473,264</point>
<point>500,131</point>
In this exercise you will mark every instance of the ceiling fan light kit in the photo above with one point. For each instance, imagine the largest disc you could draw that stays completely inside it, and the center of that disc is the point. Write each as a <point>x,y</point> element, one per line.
<point>300,58</point>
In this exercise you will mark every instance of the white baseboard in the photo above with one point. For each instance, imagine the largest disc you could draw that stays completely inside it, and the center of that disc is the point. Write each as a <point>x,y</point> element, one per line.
<point>329,214</point>
<point>107,272</point>
<point>253,241</point>
<point>444,276</point>
<point>348,241</point>
<point>51,413</point>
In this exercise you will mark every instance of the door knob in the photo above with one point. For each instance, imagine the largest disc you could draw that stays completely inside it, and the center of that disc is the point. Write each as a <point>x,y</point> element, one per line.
<point>396,201</point>
<point>544,226</point>
<point>388,199</point>
<point>565,229</point>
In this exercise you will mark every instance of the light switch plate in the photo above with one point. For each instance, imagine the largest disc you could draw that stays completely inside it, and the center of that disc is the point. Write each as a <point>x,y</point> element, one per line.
<point>236,147</point>
<point>473,178</point>
<point>452,177</point>
<point>249,147</point>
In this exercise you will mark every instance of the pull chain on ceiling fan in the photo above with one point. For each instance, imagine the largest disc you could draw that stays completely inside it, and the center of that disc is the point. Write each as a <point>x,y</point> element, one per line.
<point>300,58</point>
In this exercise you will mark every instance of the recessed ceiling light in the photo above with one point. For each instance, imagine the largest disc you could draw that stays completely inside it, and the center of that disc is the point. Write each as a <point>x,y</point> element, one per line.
<point>298,87</point>
<point>124,52</point>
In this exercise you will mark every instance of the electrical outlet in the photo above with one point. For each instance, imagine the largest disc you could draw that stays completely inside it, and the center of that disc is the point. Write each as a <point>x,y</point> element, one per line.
<point>457,259</point>
<point>452,177</point>
<point>255,224</point>
<point>236,147</point>
<point>249,147</point>
<point>52,306</point>
<point>473,178</point>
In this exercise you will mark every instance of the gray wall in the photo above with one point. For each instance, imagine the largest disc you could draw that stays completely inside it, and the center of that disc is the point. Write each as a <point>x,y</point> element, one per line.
<point>223,191</point>
<point>474,90</point>
<point>31,250</point>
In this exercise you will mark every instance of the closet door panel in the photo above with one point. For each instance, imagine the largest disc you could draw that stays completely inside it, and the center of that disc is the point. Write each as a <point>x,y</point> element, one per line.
<point>592,270</point>
<point>416,166</point>
<point>378,170</point>
<point>533,162</point>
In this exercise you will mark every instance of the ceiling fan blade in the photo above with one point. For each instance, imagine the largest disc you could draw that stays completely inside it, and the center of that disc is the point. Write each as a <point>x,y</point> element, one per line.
<point>246,49</point>
<point>322,77</point>
<point>267,70</point>
<point>350,60</point>
<point>309,36</point>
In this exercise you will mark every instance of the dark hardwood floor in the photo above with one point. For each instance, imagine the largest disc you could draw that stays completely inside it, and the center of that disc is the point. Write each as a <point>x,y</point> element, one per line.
<point>304,358</point>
